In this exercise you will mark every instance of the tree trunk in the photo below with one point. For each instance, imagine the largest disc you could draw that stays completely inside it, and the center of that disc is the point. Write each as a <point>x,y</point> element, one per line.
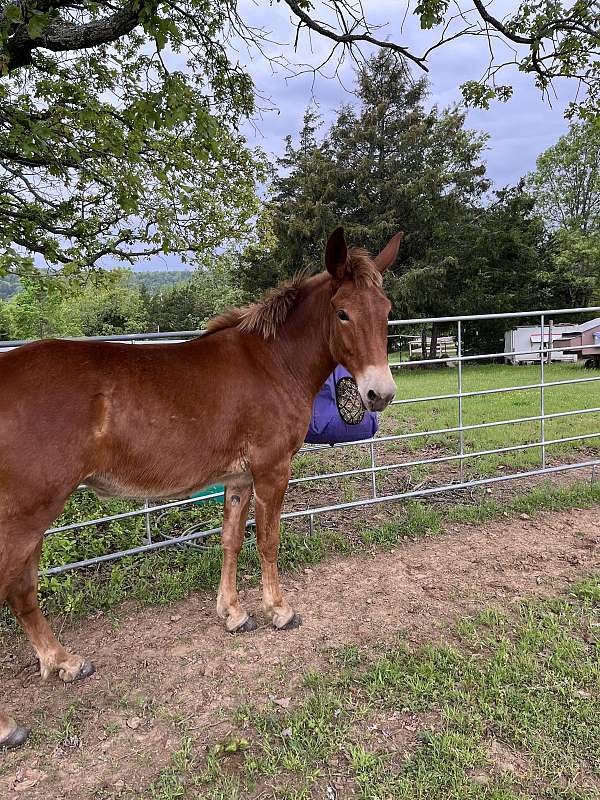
<point>435,329</point>
<point>424,343</point>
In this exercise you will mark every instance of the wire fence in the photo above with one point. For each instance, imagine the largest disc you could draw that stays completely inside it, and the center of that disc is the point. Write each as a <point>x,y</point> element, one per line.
<point>197,534</point>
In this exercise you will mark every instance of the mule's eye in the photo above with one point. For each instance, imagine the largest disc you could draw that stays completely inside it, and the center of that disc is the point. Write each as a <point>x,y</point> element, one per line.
<point>343,316</point>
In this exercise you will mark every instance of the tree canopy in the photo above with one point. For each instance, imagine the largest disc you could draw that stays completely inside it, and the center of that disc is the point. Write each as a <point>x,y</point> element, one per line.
<point>110,153</point>
<point>118,302</point>
<point>566,188</point>
<point>566,181</point>
<point>118,120</point>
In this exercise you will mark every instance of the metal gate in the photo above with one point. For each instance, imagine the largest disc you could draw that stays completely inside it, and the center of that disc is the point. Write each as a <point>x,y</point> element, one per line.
<point>460,457</point>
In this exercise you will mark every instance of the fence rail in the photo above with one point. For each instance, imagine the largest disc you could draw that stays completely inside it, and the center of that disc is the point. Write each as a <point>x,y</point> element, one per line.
<point>192,535</point>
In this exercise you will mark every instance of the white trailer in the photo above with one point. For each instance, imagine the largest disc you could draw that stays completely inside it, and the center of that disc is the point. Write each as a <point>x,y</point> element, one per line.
<point>523,345</point>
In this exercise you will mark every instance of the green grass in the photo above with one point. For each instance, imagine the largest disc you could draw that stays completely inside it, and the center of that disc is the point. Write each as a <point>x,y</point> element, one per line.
<point>509,710</point>
<point>488,408</point>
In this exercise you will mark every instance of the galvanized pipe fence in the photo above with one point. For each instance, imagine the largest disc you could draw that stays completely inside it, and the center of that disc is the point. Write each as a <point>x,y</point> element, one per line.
<point>198,533</point>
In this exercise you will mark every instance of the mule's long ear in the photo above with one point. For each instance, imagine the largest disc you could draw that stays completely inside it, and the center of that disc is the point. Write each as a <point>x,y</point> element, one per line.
<point>336,254</point>
<point>389,253</point>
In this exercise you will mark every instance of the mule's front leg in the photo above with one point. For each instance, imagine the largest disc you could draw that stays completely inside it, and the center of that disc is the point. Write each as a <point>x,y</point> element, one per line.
<point>237,500</point>
<point>269,492</point>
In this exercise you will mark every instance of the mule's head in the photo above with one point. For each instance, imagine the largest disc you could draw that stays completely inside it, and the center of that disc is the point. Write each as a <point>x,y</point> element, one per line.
<point>359,311</point>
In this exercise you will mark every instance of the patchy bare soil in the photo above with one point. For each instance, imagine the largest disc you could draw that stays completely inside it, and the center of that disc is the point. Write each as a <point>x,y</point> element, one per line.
<point>158,668</point>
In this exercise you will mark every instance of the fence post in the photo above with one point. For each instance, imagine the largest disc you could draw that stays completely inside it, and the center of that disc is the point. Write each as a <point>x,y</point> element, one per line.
<point>460,401</point>
<point>542,412</point>
<point>147,521</point>
<point>373,481</point>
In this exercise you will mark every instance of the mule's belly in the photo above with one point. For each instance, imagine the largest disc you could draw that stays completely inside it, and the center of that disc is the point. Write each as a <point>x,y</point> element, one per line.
<point>107,484</point>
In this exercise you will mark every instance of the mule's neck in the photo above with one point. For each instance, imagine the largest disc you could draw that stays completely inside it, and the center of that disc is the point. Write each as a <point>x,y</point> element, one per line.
<point>302,342</point>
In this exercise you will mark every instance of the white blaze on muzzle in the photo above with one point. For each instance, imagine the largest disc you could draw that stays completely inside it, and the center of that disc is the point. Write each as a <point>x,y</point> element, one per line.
<point>376,387</point>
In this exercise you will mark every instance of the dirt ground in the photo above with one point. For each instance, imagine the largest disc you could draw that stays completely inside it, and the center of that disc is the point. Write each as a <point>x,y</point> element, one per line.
<point>163,670</point>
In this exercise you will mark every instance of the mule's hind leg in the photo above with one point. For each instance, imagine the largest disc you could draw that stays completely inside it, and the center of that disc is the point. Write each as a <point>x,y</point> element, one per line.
<point>23,599</point>
<point>237,500</point>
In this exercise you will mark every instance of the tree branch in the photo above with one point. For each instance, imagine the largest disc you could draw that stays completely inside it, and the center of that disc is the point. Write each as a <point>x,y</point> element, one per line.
<point>495,23</point>
<point>61,35</point>
<point>349,39</point>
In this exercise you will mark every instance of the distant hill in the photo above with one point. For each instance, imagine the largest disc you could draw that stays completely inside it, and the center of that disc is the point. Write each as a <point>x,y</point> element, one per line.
<point>9,285</point>
<point>161,279</point>
<point>153,281</point>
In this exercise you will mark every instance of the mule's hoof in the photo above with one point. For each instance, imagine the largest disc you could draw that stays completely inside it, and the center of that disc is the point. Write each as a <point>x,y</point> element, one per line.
<point>294,622</point>
<point>250,624</point>
<point>16,737</point>
<point>85,670</point>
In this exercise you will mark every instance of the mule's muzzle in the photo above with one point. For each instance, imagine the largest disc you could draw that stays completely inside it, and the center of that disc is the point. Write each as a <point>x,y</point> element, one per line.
<point>377,401</point>
<point>376,387</point>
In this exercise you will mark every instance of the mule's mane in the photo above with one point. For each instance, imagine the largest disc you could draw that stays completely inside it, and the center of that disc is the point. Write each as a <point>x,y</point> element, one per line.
<point>265,316</point>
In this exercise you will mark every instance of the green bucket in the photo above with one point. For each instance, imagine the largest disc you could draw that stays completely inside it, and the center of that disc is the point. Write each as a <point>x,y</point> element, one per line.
<point>201,497</point>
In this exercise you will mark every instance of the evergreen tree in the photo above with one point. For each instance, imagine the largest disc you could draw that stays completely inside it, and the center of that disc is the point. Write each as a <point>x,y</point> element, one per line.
<point>387,166</point>
<point>301,216</point>
<point>390,165</point>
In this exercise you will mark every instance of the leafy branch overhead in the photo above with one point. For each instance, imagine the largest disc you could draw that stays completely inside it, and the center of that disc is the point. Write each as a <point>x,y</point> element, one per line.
<point>105,152</point>
<point>547,39</point>
<point>119,119</point>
